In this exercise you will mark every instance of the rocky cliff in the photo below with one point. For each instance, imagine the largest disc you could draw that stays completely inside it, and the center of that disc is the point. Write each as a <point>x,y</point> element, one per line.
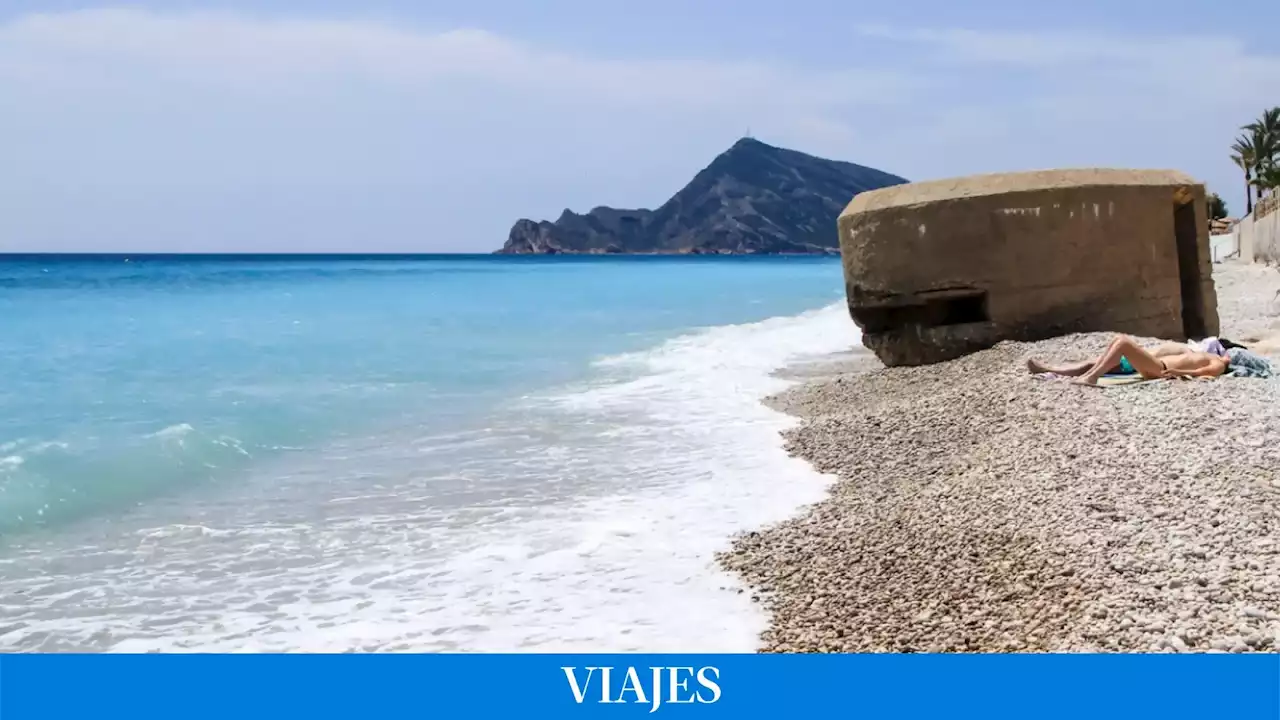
<point>753,198</point>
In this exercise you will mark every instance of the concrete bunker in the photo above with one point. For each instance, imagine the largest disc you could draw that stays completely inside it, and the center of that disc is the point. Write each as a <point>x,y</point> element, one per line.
<point>936,270</point>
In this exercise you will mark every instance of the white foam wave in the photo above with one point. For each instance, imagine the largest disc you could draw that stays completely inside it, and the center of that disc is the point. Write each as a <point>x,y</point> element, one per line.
<point>183,530</point>
<point>173,432</point>
<point>592,520</point>
<point>711,370</point>
<point>178,530</point>
<point>32,448</point>
<point>690,456</point>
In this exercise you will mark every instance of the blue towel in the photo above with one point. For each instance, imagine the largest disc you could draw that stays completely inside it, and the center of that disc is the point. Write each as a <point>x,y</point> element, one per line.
<point>1246,364</point>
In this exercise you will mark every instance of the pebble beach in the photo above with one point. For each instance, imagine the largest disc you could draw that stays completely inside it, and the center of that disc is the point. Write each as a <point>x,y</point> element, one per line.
<point>978,509</point>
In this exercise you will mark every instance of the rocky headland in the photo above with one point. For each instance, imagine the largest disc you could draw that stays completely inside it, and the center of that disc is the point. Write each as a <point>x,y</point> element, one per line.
<point>752,199</point>
<point>976,508</point>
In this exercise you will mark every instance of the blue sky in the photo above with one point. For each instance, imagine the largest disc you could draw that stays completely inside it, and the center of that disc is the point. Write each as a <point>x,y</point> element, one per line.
<point>425,127</point>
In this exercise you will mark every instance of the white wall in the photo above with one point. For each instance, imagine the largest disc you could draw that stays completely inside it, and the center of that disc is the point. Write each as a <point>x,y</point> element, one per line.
<point>1259,238</point>
<point>1266,239</point>
<point>1222,247</point>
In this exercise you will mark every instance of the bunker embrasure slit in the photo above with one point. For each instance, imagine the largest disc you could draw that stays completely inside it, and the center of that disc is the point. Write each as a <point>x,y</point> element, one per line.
<point>949,307</point>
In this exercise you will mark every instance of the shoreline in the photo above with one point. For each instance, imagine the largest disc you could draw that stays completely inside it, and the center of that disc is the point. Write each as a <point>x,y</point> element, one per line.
<point>978,509</point>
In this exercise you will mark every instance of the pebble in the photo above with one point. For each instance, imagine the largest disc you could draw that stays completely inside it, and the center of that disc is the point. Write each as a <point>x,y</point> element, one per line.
<point>978,509</point>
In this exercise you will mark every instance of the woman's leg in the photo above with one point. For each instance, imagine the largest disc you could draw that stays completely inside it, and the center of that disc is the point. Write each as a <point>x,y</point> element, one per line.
<point>1144,362</point>
<point>1077,369</point>
<point>1073,370</point>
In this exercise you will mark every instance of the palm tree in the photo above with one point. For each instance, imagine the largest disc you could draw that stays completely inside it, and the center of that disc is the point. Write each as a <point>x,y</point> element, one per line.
<point>1268,125</point>
<point>1242,156</point>
<point>1268,179</point>
<point>1264,136</point>
<point>1265,147</point>
<point>1264,153</point>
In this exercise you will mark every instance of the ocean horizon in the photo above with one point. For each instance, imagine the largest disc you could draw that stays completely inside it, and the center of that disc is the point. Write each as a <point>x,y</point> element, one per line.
<point>396,452</point>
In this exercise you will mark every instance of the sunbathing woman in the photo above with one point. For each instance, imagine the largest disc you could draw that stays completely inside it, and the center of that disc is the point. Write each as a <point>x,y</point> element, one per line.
<point>1167,361</point>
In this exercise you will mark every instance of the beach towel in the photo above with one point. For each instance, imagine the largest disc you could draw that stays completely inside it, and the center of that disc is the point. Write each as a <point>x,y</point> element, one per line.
<point>1104,381</point>
<point>1117,380</point>
<point>1246,364</point>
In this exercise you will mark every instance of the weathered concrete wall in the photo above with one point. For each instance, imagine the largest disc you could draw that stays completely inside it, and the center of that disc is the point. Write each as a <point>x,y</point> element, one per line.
<point>1043,254</point>
<point>1243,231</point>
<point>1266,239</point>
<point>1258,235</point>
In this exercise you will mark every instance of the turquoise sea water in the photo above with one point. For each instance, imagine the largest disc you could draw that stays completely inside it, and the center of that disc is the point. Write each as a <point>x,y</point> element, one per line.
<point>393,452</point>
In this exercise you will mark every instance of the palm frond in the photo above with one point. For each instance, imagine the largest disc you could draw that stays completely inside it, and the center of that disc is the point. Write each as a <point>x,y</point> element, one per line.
<point>1267,178</point>
<point>1243,147</point>
<point>1270,120</point>
<point>1262,146</point>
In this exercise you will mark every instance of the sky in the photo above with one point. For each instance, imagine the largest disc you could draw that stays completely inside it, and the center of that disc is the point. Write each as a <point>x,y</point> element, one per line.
<point>398,126</point>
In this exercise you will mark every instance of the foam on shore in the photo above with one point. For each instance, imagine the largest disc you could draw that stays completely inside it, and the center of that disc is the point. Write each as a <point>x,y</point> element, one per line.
<point>582,519</point>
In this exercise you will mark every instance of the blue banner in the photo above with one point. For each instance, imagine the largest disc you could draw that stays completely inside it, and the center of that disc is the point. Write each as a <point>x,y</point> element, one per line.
<point>187,687</point>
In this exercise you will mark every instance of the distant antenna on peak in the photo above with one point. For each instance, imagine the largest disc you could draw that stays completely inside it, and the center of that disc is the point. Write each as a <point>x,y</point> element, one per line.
<point>748,133</point>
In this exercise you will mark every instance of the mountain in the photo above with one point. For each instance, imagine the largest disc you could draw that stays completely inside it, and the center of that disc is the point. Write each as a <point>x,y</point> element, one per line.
<point>753,198</point>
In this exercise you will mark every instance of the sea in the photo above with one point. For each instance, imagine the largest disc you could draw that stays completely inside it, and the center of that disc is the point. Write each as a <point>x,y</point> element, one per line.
<point>396,453</point>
